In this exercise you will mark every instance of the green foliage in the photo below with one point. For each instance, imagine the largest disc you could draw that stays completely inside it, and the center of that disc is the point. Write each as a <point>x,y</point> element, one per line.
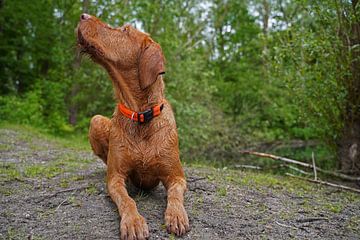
<point>307,57</point>
<point>232,79</point>
<point>25,110</point>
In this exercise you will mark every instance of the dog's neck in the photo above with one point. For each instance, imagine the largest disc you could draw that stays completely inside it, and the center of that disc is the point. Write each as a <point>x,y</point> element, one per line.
<point>127,89</point>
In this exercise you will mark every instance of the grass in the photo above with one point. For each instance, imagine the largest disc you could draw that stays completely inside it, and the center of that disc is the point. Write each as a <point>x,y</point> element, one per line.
<point>222,177</point>
<point>353,224</point>
<point>91,190</point>
<point>28,133</point>
<point>316,198</point>
<point>222,191</point>
<point>334,207</point>
<point>55,168</point>
<point>36,140</point>
<point>9,172</point>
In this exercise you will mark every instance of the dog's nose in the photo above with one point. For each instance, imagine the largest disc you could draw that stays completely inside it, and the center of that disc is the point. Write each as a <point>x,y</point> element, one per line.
<point>84,16</point>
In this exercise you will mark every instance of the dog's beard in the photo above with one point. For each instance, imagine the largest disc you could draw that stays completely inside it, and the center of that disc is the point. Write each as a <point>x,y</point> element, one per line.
<point>86,48</point>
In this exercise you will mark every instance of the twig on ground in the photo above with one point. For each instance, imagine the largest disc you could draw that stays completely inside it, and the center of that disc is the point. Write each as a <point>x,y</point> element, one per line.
<point>326,183</point>
<point>43,197</point>
<point>314,166</point>
<point>284,225</point>
<point>61,204</point>
<point>247,166</point>
<point>288,160</point>
<point>313,219</point>
<point>298,170</point>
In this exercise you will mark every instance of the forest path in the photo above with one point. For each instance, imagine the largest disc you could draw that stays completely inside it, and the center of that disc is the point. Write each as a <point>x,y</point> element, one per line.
<point>55,189</point>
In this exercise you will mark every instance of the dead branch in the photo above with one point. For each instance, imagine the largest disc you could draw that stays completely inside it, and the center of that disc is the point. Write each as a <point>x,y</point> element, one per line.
<point>298,170</point>
<point>43,197</point>
<point>313,219</point>
<point>288,160</point>
<point>61,204</point>
<point>284,225</point>
<point>314,166</point>
<point>247,166</point>
<point>326,183</point>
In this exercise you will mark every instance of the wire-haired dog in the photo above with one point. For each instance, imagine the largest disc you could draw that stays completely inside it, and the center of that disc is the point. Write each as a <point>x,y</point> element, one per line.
<point>140,142</point>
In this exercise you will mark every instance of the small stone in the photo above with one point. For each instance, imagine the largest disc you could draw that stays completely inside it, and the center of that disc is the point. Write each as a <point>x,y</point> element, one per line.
<point>27,216</point>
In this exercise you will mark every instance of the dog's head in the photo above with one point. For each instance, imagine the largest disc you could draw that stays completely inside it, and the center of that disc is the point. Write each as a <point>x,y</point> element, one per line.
<point>124,48</point>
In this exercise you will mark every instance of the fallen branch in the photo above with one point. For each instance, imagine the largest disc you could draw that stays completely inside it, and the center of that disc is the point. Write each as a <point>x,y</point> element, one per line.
<point>284,225</point>
<point>61,204</point>
<point>288,160</point>
<point>313,219</point>
<point>43,197</point>
<point>314,166</point>
<point>298,170</point>
<point>247,166</point>
<point>326,183</point>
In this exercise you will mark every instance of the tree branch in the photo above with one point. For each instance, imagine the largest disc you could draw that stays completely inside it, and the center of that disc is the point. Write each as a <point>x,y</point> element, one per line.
<point>288,160</point>
<point>326,183</point>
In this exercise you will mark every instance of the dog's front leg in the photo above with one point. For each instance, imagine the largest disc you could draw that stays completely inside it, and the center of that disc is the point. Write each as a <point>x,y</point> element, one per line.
<point>176,218</point>
<point>132,225</point>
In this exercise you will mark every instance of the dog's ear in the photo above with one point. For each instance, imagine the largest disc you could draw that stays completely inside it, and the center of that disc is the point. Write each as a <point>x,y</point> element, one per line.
<point>151,64</point>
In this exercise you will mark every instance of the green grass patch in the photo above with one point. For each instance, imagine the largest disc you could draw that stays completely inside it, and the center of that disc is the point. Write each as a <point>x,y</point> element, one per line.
<point>9,172</point>
<point>34,171</point>
<point>91,190</point>
<point>66,164</point>
<point>334,207</point>
<point>74,141</point>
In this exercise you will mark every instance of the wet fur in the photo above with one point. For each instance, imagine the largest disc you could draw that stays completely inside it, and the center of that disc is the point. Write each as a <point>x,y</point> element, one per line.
<point>144,153</point>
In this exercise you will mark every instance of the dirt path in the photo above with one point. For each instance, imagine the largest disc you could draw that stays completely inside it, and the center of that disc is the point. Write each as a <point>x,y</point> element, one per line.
<point>53,190</point>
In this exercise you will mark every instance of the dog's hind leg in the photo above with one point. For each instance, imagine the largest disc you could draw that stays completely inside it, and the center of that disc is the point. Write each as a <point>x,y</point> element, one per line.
<point>99,136</point>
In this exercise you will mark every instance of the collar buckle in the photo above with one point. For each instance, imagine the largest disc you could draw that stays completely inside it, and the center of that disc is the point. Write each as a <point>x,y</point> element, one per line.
<point>145,116</point>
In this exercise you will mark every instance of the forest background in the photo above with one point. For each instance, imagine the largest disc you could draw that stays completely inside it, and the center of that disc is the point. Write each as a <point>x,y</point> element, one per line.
<point>279,76</point>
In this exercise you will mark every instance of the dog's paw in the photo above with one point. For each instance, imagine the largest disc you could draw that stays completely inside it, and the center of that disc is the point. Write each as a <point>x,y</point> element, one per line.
<point>176,220</point>
<point>133,227</point>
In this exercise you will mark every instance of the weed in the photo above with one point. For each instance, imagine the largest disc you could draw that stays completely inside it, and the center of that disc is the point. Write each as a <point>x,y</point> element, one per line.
<point>334,207</point>
<point>91,190</point>
<point>222,191</point>
<point>9,172</point>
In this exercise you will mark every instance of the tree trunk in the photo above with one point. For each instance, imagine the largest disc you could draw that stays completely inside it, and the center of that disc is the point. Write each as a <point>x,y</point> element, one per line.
<point>349,149</point>
<point>349,145</point>
<point>73,108</point>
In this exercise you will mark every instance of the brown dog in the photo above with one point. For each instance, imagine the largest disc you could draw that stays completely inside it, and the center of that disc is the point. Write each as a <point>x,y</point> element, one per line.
<point>140,142</point>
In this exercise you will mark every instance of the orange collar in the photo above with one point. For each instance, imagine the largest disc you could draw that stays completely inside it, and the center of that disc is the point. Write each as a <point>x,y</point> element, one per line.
<point>141,117</point>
